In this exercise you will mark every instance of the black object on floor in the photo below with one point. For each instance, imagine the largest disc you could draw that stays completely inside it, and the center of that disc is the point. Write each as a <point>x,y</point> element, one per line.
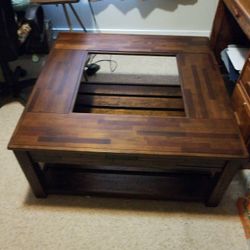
<point>92,68</point>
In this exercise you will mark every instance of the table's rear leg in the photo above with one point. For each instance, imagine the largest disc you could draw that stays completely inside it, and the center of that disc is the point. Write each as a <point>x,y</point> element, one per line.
<point>32,172</point>
<point>223,182</point>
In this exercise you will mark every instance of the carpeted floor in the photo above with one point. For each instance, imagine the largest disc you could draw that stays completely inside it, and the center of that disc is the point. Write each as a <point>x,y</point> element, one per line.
<point>72,222</point>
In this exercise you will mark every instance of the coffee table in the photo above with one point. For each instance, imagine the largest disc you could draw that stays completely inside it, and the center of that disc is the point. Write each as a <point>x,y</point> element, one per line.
<point>132,140</point>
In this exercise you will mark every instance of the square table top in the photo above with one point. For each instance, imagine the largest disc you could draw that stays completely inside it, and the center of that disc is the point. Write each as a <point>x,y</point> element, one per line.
<point>208,130</point>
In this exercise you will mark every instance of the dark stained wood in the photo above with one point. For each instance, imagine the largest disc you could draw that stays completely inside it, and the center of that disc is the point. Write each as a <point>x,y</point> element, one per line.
<point>130,90</point>
<point>131,134</point>
<point>32,172</point>
<point>242,111</point>
<point>224,180</point>
<point>130,102</point>
<point>204,92</point>
<point>137,169</point>
<point>204,139</point>
<point>240,10</point>
<point>226,29</point>
<point>146,112</point>
<point>126,184</point>
<point>129,99</point>
<point>245,77</point>
<point>232,26</point>
<point>218,23</point>
<point>133,161</point>
<point>245,85</point>
<point>133,44</point>
<point>54,93</point>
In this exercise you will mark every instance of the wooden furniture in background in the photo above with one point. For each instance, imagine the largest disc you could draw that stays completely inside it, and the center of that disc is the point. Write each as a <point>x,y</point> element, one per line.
<point>150,153</point>
<point>64,3</point>
<point>232,26</point>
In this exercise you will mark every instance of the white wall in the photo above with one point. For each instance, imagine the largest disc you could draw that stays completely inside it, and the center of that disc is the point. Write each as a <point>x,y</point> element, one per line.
<point>181,17</point>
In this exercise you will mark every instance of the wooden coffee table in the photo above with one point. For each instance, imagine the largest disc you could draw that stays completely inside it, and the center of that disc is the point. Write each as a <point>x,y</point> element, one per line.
<point>150,141</point>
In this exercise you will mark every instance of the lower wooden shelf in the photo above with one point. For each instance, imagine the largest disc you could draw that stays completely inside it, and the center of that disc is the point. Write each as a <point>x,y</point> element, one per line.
<point>146,185</point>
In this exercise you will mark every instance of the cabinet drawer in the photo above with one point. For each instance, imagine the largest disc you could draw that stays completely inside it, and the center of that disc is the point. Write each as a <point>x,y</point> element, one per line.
<point>245,76</point>
<point>246,86</point>
<point>242,111</point>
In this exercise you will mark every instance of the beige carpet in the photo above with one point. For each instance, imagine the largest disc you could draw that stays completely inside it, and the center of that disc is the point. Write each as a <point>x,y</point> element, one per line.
<point>136,69</point>
<point>60,222</point>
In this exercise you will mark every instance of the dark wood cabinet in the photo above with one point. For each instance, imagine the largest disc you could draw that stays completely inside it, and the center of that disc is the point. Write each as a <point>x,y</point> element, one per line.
<point>232,26</point>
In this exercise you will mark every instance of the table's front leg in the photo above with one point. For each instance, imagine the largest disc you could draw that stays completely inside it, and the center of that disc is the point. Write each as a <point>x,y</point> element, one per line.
<point>223,182</point>
<point>32,172</point>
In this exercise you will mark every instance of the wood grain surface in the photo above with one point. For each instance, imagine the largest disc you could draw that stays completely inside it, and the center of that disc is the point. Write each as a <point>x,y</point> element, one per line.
<point>240,9</point>
<point>208,129</point>
<point>147,141</point>
<point>132,44</point>
<point>132,98</point>
<point>232,26</point>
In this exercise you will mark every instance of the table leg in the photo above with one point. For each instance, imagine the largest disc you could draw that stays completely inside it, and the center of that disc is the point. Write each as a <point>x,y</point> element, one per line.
<point>77,17</point>
<point>223,182</point>
<point>32,172</point>
<point>93,14</point>
<point>67,17</point>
